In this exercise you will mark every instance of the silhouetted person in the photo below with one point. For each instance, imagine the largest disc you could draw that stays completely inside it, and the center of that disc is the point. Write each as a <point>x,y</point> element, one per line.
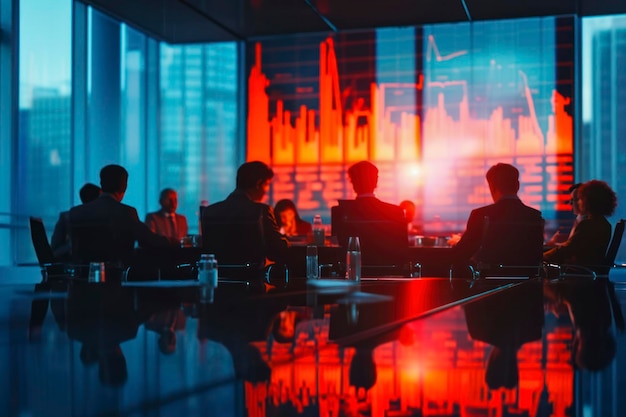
<point>107,230</point>
<point>409,215</point>
<point>506,320</point>
<point>591,306</point>
<point>380,226</point>
<point>61,242</point>
<point>166,222</point>
<point>166,323</point>
<point>289,220</point>
<point>506,232</point>
<point>588,243</point>
<point>242,229</point>
<point>556,239</point>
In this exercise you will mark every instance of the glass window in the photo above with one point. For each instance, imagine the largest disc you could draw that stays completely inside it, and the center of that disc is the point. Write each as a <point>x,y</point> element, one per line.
<point>602,148</point>
<point>199,110</point>
<point>44,166</point>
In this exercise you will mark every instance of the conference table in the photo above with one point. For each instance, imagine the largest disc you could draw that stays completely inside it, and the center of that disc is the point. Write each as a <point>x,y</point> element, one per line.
<point>386,346</point>
<point>434,261</point>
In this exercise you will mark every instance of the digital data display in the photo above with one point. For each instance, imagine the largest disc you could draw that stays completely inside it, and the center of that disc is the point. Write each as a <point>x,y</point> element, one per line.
<point>433,107</point>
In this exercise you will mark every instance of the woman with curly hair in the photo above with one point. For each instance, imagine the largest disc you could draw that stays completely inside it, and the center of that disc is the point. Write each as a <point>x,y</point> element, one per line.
<point>588,244</point>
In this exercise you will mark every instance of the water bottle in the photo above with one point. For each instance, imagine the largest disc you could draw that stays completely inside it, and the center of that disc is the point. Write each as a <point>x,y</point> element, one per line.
<point>318,231</point>
<point>312,271</point>
<point>207,276</point>
<point>353,259</point>
<point>207,270</point>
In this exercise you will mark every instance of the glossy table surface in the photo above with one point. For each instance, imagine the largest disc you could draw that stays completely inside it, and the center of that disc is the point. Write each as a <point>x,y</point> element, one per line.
<point>386,347</point>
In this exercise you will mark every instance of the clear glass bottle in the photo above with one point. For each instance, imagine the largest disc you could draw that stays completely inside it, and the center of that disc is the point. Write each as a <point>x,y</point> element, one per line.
<point>207,270</point>
<point>353,259</point>
<point>318,231</point>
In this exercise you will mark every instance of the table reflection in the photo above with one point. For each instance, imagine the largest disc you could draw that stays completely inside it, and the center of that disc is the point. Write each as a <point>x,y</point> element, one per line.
<point>386,347</point>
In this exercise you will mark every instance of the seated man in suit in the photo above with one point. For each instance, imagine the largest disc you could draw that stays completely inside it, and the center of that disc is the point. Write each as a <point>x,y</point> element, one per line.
<point>61,242</point>
<point>105,230</point>
<point>381,226</point>
<point>166,222</point>
<point>242,229</point>
<point>506,232</point>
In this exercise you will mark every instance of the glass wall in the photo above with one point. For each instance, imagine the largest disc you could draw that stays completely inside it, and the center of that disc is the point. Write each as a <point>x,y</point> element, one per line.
<point>197,149</point>
<point>95,91</point>
<point>6,128</point>
<point>79,90</point>
<point>44,166</point>
<point>602,150</point>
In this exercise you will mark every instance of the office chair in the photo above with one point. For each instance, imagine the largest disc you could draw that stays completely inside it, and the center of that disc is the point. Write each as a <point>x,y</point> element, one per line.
<point>239,247</point>
<point>384,242</point>
<point>594,271</point>
<point>509,250</point>
<point>43,251</point>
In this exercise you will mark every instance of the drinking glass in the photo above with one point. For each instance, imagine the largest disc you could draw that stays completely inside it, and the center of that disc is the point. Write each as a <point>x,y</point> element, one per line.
<point>312,271</point>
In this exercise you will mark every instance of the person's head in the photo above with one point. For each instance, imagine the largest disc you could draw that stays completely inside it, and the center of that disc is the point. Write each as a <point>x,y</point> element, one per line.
<point>254,179</point>
<point>503,179</point>
<point>593,350</point>
<point>283,326</point>
<point>168,200</point>
<point>502,368</point>
<point>596,198</point>
<point>362,372</point>
<point>573,193</point>
<point>89,192</point>
<point>409,210</point>
<point>167,341</point>
<point>364,177</point>
<point>286,212</point>
<point>112,367</point>
<point>114,180</point>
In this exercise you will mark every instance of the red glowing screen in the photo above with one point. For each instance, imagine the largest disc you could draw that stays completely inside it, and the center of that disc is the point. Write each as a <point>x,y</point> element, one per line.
<point>433,107</point>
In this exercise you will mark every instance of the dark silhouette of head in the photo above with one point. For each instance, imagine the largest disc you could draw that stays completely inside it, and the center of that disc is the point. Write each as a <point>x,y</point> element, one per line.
<point>113,179</point>
<point>254,178</point>
<point>364,177</point>
<point>573,192</point>
<point>594,349</point>
<point>503,179</point>
<point>112,367</point>
<point>502,369</point>
<point>598,198</point>
<point>168,199</point>
<point>409,210</point>
<point>167,341</point>
<point>362,372</point>
<point>89,192</point>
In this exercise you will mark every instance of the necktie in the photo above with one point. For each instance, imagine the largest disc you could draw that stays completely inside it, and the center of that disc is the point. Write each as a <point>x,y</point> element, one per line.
<point>173,232</point>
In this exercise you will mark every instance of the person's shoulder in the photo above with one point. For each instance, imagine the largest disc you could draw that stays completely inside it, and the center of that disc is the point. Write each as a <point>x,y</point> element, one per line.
<point>180,217</point>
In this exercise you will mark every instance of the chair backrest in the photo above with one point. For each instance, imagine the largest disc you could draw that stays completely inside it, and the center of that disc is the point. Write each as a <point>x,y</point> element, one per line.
<point>616,240</point>
<point>512,247</point>
<point>234,241</point>
<point>40,241</point>
<point>98,242</point>
<point>383,241</point>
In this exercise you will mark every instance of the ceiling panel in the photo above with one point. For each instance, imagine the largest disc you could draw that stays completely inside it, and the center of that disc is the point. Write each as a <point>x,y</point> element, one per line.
<point>189,21</point>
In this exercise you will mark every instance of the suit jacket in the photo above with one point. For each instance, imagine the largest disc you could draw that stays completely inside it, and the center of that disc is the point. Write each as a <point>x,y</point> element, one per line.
<point>106,230</point>
<point>241,230</point>
<point>159,223</point>
<point>587,246</point>
<point>381,228</point>
<point>61,242</point>
<point>506,232</point>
